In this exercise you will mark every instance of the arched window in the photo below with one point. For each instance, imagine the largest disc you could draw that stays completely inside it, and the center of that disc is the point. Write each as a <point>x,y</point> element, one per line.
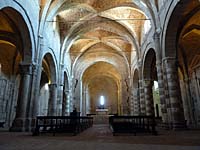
<point>102,100</point>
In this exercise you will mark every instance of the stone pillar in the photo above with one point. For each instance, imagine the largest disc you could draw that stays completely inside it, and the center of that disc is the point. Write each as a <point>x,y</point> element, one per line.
<point>176,107</point>
<point>131,104</point>
<point>21,121</point>
<point>162,93</point>
<point>136,101</point>
<point>64,103</point>
<point>167,99</point>
<point>142,99</point>
<point>149,97</point>
<point>187,101</point>
<point>160,79</point>
<point>35,93</point>
<point>52,99</point>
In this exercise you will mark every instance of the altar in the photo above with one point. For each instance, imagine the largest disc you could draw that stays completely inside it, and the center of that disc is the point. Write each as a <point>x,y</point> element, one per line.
<point>102,111</point>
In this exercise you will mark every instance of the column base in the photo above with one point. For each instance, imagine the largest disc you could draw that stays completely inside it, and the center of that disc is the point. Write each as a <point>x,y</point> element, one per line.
<point>179,126</point>
<point>22,125</point>
<point>164,126</point>
<point>18,125</point>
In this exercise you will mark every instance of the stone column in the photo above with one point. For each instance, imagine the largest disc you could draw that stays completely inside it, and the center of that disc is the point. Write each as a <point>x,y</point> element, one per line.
<point>65,102</point>
<point>187,101</point>
<point>37,78</point>
<point>20,121</point>
<point>136,101</point>
<point>149,97</point>
<point>142,99</point>
<point>34,93</point>
<point>52,99</point>
<point>176,107</point>
<point>162,93</point>
<point>160,78</point>
<point>131,104</point>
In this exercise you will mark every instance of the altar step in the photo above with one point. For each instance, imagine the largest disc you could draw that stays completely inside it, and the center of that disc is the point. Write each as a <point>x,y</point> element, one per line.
<point>101,119</point>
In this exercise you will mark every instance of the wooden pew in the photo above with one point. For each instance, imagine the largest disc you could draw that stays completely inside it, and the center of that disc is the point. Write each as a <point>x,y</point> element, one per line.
<point>2,124</point>
<point>61,124</point>
<point>133,124</point>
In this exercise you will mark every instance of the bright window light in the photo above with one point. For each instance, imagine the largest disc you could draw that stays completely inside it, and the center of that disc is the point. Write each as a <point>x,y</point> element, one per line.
<point>46,86</point>
<point>155,84</point>
<point>102,100</point>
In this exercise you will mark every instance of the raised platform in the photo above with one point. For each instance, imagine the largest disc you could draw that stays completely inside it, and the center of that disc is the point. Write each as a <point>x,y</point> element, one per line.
<point>101,119</point>
<point>102,111</point>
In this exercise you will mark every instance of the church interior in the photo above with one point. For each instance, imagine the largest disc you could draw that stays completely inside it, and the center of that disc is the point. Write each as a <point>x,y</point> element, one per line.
<point>100,58</point>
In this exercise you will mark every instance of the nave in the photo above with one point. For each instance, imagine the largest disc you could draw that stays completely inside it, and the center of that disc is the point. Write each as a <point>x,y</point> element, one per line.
<point>100,137</point>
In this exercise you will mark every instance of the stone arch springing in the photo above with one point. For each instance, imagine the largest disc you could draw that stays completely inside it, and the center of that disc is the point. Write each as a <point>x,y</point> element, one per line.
<point>23,33</point>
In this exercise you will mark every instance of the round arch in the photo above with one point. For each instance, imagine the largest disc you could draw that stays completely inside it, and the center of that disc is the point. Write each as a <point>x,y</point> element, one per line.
<point>180,47</point>
<point>52,67</point>
<point>149,65</point>
<point>22,22</point>
<point>17,45</point>
<point>178,14</point>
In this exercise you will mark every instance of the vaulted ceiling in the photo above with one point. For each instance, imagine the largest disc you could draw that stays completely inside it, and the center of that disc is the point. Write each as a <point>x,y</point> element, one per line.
<point>111,31</point>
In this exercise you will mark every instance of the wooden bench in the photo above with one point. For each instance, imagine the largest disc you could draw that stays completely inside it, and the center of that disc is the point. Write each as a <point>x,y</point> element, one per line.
<point>133,124</point>
<point>61,124</point>
<point>2,124</point>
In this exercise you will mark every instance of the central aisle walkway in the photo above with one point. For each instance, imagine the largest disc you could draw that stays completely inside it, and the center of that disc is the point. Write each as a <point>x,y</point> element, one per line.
<point>99,137</point>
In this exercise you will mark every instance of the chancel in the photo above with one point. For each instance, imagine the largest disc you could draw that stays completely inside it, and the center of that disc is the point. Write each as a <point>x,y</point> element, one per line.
<point>129,67</point>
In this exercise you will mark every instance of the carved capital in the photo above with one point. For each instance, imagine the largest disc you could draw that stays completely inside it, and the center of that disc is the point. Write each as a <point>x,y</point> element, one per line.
<point>148,82</point>
<point>26,68</point>
<point>139,64</point>
<point>170,61</point>
<point>53,85</point>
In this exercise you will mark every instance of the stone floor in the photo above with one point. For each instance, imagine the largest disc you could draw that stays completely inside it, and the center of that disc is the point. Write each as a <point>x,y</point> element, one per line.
<point>99,137</point>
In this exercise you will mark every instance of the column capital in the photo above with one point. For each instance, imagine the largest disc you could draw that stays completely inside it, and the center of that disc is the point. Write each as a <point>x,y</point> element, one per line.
<point>170,62</point>
<point>147,82</point>
<point>156,35</point>
<point>158,63</point>
<point>35,68</point>
<point>53,85</point>
<point>62,65</point>
<point>26,68</point>
<point>168,59</point>
<point>139,63</point>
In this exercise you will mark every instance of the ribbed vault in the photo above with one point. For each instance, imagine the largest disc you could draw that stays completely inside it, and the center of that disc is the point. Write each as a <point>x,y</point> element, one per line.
<point>100,32</point>
<point>120,24</point>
